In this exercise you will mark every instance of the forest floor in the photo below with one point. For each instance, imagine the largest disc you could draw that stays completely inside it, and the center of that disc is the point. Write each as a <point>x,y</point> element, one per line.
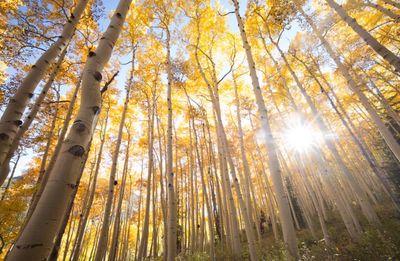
<point>375,244</point>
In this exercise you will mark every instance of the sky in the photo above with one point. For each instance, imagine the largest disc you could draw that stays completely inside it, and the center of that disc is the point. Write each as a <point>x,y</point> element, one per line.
<point>110,6</point>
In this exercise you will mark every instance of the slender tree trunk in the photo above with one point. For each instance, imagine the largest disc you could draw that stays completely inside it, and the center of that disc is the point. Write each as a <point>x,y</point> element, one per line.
<point>389,110</point>
<point>163,199</point>
<point>289,234</point>
<point>11,177</point>
<point>86,210</point>
<point>205,194</point>
<point>172,214</point>
<point>246,168</point>
<point>145,232</point>
<point>11,118</point>
<point>115,243</point>
<point>103,239</point>
<point>139,213</point>
<point>69,235</point>
<point>36,240</point>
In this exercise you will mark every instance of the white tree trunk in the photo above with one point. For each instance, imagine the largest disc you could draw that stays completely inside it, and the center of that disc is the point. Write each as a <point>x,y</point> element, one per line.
<point>172,209</point>
<point>103,239</point>
<point>289,233</point>
<point>37,238</point>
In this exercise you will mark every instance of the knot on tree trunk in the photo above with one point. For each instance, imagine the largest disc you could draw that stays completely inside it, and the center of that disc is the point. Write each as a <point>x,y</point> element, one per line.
<point>96,109</point>
<point>97,76</point>
<point>79,126</point>
<point>76,150</point>
<point>18,122</point>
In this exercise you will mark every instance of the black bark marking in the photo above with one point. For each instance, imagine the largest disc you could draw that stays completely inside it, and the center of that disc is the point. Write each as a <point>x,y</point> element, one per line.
<point>96,109</point>
<point>79,126</point>
<point>119,15</point>
<point>18,122</point>
<point>97,76</point>
<point>71,185</point>
<point>28,246</point>
<point>76,150</point>
<point>91,53</point>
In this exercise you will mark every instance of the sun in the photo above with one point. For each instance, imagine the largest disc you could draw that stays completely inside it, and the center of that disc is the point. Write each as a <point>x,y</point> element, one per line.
<point>301,136</point>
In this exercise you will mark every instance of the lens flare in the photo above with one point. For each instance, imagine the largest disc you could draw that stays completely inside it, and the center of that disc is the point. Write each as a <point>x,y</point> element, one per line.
<point>301,137</point>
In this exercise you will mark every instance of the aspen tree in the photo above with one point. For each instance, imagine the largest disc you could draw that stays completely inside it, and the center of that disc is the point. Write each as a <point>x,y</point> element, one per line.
<point>11,118</point>
<point>150,136</point>
<point>47,217</point>
<point>172,209</point>
<point>102,248</point>
<point>117,221</point>
<point>86,209</point>
<point>246,168</point>
<point>289,234</point>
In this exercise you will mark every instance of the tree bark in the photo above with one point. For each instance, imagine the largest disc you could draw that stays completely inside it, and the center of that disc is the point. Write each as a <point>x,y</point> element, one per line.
<point>289,234</point>
<point>103,239</point>
<point>150,133</point>
<point>116,231</point>
<point>172,214</point>
<point>86,210</point>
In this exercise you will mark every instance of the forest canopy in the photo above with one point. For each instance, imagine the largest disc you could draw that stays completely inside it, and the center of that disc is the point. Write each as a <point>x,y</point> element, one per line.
<point>199,130</point>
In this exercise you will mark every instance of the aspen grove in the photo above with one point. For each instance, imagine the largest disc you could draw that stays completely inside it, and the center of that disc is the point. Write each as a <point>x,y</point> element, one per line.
<point>199,130</point>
